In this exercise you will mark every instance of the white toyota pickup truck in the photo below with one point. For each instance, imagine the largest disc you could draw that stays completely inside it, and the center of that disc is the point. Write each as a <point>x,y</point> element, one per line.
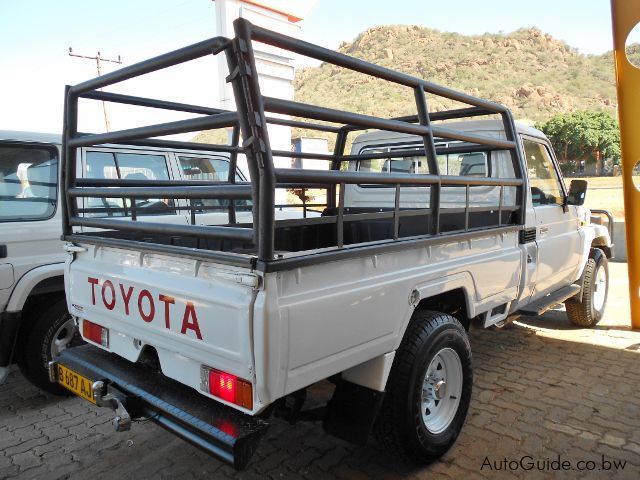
<point>433,223</point>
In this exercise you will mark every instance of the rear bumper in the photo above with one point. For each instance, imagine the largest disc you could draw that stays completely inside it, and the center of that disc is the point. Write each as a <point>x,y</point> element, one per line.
<point>219,430</point>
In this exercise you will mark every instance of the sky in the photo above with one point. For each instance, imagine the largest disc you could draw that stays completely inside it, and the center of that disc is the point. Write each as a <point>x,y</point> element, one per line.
<point>35,36</point>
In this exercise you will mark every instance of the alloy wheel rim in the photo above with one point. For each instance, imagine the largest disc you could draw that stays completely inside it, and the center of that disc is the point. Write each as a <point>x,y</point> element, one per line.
<point>63,337</point>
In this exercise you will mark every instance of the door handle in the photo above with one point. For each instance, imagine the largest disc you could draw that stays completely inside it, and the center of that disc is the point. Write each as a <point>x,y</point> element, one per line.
<point>3,251</point>
<point>544,230</point>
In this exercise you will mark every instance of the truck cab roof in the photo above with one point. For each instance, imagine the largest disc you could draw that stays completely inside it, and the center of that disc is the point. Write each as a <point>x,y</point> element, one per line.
<point>469,126</point>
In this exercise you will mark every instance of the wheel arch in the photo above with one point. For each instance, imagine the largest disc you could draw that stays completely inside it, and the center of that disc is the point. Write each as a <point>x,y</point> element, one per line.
<point>44,280</point>
<point>604,244</point>
<point>452,294</point>
<point>39,281</point>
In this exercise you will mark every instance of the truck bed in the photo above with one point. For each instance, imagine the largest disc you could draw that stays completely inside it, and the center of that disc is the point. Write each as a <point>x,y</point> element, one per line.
<point>297,235</point>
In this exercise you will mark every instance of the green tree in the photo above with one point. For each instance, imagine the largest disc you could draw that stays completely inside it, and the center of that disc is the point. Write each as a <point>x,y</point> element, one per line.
<point>585,135</point>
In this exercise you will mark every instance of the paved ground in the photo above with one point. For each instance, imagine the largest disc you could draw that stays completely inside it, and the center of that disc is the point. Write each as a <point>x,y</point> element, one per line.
<point>542,392</point>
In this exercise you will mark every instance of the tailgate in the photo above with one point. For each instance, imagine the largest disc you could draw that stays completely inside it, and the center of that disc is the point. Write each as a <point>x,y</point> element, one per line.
<point>193,314</point>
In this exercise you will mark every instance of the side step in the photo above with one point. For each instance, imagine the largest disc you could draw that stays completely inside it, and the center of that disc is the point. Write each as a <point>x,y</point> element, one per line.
<point>219,430</point>
<point>548,302</point>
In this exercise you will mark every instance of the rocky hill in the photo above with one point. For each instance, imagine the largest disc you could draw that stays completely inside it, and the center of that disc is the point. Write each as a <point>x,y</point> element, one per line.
<point>528,70</point>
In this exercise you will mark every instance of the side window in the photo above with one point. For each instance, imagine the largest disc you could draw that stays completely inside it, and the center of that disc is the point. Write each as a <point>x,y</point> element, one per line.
<point>28,182</point>
<point>375,165</point>
<point>464,164</point>
<point>382,196</point>
<point>127,166</point>
<point>204,168</point>
<point>136,166</point>
<point>415,164</point>
<point>213,169</point>
<point>543,178</point>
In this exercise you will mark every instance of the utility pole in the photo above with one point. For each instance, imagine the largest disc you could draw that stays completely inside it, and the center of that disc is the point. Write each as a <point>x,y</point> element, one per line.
<point>98,58</point>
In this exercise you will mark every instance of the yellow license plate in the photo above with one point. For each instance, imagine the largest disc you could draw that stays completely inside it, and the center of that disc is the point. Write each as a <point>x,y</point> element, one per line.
<point>78,384</point>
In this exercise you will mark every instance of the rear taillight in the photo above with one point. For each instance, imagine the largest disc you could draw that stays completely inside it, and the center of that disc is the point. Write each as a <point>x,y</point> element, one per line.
<point>96,333</point>
<point>228,387</point>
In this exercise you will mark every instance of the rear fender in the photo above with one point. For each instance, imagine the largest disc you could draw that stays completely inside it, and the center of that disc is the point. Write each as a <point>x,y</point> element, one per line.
<point>374,373</point>
<point>462,280</point>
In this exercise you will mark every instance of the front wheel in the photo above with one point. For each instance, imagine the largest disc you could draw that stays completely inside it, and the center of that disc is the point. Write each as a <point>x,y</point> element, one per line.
<point>595,289</point>
<point>429,389</point>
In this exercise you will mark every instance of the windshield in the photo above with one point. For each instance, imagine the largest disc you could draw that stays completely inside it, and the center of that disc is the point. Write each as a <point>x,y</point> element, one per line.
<point>28,183</point>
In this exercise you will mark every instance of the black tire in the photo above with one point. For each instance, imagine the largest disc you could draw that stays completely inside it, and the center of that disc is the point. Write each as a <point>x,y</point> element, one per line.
<point>586,313</point>
<point>400,428</point>
<point>44,321</point>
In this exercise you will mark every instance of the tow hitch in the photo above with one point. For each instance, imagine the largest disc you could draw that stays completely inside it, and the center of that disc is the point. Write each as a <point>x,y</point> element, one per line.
<point>122,420</point>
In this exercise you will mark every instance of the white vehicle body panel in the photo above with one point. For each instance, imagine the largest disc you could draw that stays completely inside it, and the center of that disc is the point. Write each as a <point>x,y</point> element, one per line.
<point>316,321</point>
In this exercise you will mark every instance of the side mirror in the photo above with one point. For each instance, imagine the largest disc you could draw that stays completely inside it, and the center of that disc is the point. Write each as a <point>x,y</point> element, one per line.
<point>577,192</point>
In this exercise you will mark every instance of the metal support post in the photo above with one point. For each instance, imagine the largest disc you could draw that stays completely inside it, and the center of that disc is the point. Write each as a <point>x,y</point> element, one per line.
<point>625,15</point>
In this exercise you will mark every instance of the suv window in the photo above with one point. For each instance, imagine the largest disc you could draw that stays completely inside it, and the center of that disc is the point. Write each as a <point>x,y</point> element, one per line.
<point>543,178</point>
<point>28,182</point>
<point>127,166</point>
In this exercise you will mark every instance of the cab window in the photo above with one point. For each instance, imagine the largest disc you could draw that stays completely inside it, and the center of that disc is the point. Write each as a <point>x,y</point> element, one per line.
<point>543,178</point>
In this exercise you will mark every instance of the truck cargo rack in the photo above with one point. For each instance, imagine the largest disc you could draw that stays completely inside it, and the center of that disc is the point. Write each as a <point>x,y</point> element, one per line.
<point>259,244</point>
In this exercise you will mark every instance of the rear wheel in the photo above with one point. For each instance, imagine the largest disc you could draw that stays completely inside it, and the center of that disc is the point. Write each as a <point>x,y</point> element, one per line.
<point>50,330</point>
<point>429,389</point>
<point>590,310</point>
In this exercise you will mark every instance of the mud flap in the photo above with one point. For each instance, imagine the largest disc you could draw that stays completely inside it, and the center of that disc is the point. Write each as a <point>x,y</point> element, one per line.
<point>9,325</point>
<point>352,411</point>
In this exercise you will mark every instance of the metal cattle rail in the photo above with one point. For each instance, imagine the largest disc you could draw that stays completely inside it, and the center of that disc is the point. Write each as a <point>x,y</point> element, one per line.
<point>250,122</point>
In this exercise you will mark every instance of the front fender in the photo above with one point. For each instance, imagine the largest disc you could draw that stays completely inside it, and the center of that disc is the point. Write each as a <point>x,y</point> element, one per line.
<point>588,234</point>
